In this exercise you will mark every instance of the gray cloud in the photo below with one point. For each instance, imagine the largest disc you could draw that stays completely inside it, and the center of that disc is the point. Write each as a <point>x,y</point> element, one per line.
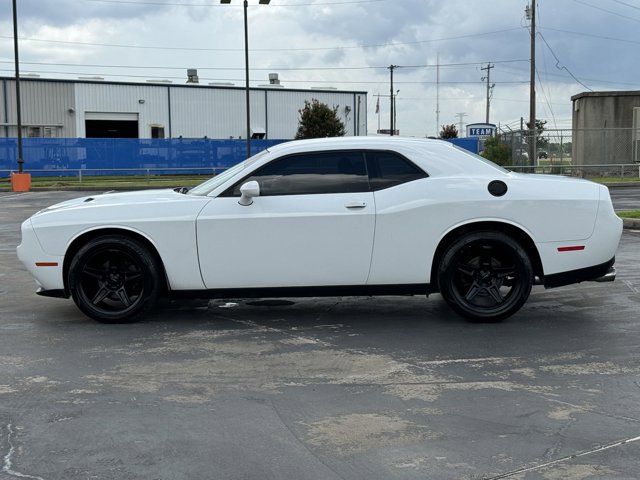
<point>393,21</point>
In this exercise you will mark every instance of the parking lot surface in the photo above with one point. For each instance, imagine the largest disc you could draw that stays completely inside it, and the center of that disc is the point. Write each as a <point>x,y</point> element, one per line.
<point>336,388</point>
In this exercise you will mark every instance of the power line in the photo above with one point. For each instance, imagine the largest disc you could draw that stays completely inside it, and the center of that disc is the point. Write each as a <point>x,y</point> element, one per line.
<point>176,4</point>
<point>592,35</point>
<point>367,82</point>
<point>593,80</point>
<point>581,2</point>
<point>627,4</point>
<point>160,67</point>
<point>559,65</point>
<point>288,49</point>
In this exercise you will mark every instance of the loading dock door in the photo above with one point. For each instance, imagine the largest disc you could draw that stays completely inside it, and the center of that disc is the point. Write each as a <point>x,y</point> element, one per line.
<point>111,125</point>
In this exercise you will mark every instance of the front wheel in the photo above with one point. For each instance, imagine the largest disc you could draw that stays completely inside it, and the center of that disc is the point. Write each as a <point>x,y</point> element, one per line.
<point>485,276</point>
<point>114,279</point>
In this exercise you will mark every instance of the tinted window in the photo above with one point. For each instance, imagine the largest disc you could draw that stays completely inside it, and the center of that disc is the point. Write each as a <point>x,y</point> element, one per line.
<point>387,169</point>
<point>311,173</point>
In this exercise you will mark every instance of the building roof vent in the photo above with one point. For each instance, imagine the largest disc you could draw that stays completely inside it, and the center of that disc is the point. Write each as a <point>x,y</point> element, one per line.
<point>93,78</point>
<point>162,80</point>
<point>324,88</point>
<point>274,79</point>
<point>29,75</point>
<point>192,75</point>
<point>222,84</point>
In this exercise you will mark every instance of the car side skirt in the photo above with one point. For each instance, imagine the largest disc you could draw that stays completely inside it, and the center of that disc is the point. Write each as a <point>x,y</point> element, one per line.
<point>594,273</point>
<point>323,291</point>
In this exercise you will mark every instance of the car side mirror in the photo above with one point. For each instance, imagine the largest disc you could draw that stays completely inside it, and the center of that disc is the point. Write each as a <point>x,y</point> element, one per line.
<point>248,191</point>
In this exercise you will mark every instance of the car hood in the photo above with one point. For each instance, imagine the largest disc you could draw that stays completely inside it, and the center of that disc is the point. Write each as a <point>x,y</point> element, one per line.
<point>114,199</point>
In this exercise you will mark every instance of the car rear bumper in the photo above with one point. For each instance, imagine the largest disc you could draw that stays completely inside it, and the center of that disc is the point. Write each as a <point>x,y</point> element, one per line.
<point>605,272</point>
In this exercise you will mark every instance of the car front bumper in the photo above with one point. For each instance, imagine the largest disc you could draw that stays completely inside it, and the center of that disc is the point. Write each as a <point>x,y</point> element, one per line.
<point>45,268</point>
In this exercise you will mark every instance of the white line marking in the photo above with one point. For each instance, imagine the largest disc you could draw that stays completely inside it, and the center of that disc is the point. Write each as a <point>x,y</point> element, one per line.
<point>7,466</point>
<point>567,458</point>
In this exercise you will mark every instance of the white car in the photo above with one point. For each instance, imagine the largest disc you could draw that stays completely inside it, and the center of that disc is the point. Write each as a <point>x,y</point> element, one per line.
<point>330,217</point>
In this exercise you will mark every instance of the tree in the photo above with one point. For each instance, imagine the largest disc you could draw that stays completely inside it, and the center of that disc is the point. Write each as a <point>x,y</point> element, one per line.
<point>318,120</point>
<point>449,131</point>
<point>541,142</point>
<point>497,151</point>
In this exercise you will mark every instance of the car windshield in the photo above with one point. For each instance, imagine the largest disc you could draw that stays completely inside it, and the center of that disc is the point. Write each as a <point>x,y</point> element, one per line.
<point>482,159</point>
<point>210,185</point>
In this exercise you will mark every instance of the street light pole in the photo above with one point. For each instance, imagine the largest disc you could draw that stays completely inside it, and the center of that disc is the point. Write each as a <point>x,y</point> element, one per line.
<point>246,67</point>
<point>18,106</point>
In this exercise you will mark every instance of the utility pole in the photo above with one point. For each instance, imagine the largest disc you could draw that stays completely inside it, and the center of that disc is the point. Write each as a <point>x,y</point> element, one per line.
<point>18,105</point>
<point>391,98</point>
<point>531,15</point>
<point>489,87</point>
<point>395,110</point>
<point>460,116</point>
<point>438,94</point>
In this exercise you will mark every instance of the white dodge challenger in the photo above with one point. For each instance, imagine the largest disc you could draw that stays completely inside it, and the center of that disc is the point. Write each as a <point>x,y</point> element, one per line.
<point>330,217</point>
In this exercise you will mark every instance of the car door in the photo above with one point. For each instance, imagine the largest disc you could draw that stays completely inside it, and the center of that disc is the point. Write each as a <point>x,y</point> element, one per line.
<point>312,225</point>
<point>403,220</point>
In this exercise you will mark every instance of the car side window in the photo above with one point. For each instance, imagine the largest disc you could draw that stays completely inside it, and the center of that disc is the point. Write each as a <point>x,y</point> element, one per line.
<point>388,169</point>
<point>310,173</point>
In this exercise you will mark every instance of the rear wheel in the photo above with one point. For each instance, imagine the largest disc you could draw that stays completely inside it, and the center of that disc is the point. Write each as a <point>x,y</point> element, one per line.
<point>114,279</point>
<point>485,276</point>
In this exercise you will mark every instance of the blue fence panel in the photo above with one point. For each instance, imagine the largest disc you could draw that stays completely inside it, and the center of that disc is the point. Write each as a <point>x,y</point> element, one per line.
<point>471,144</point>
<point>112,154</point>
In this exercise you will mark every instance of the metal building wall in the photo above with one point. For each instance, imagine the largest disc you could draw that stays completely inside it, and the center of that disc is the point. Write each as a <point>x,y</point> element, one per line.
<point>214,112</point>
<point>113,98</point>
<point>43,104</point>
<point>603,128</point>
<point>187,111</point>
<point>283,106</point>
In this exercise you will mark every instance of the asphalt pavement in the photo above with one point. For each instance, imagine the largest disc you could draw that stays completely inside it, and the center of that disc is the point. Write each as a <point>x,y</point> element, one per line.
<point>625,198</point>
<point>336,388</point>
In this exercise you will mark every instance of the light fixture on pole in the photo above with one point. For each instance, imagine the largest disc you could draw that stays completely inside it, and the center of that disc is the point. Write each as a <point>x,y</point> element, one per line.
<point>246,66</point>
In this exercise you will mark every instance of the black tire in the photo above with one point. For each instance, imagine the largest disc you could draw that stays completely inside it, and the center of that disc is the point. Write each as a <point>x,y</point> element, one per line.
<point>485,276</point>
<point>114,279</point>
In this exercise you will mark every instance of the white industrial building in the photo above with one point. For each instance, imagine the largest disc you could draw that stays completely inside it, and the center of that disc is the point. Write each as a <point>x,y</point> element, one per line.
<point>92,107</point>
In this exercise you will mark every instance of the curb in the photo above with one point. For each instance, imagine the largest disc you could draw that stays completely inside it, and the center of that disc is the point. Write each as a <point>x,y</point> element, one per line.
<point>631,223</point>
<point>621,184</point>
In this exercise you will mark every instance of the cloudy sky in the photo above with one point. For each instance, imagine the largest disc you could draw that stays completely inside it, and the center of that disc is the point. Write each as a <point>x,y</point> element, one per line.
<point>346,44</point>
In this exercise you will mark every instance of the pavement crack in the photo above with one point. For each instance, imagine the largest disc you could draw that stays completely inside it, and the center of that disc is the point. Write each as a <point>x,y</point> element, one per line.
<point>590,410</point>
<point>7,466</point>
<point>265,328</point>
<point>567,458</point>
<point>303,444</point>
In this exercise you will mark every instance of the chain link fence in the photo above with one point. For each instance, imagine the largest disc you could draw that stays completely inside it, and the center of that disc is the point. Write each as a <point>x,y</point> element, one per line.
<point>608,154</point>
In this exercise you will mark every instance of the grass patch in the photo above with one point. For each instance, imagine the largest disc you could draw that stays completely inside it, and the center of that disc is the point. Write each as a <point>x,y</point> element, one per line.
<point>613,179</point>
<point>106,181</point>
<point>629,214</point>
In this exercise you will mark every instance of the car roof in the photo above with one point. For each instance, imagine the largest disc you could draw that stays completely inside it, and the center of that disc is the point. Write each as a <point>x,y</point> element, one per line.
<point>336,143</point>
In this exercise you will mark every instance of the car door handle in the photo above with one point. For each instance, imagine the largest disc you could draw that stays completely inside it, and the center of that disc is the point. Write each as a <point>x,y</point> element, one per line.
<point>355,205</point>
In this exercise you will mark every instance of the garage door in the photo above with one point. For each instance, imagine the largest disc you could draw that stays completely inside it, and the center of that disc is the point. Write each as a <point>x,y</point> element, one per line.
<point>111,125</point>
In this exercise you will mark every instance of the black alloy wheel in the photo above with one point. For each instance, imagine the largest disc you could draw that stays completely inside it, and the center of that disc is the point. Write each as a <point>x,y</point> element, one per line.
<point>485,276</point>
<point>114,279</point>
